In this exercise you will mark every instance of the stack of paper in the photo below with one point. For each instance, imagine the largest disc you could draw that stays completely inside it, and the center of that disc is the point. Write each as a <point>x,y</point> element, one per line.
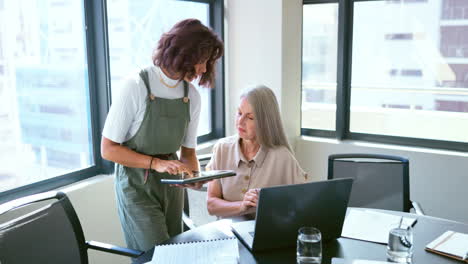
<point>370,225</point>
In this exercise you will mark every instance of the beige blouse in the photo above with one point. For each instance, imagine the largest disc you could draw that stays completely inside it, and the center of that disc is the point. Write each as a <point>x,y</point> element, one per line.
<point>269,167</point>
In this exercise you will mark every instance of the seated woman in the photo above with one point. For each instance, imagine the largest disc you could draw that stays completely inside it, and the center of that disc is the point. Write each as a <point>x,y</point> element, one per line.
<point>259,153</point>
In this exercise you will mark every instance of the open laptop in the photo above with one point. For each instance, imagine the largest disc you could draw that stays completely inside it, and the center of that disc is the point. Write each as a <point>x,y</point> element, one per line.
<point>282,210</point>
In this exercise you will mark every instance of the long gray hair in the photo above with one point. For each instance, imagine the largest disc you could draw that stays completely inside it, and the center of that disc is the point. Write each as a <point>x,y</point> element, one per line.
<point>270,131</point>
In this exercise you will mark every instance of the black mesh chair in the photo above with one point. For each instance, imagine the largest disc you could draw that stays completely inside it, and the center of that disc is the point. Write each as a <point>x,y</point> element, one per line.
<point>380,181</point>
<point>51,233</point>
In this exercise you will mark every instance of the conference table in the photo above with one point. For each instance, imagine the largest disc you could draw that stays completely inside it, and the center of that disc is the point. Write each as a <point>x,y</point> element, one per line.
<point>425,230</point>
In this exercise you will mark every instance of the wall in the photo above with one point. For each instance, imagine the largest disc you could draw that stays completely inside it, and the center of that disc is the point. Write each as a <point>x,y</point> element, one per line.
<point>253,51</point>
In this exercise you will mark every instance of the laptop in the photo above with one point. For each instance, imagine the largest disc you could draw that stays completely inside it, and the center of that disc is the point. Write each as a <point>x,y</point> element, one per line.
<point>282,210</point>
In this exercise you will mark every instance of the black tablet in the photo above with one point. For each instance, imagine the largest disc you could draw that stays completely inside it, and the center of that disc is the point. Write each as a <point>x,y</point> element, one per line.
<point>203,176</point>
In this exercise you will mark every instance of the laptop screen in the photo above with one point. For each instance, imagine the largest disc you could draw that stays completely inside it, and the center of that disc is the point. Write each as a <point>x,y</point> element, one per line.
<point>282,210</point>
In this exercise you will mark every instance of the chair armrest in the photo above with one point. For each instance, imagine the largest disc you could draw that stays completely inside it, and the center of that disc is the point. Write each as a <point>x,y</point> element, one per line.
<point>417,208</point>
<point>204,157</point>
<point>187,221</point>
<point>114,249</point>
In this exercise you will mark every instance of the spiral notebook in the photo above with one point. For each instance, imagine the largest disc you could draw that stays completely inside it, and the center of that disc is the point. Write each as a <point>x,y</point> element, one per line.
<point>356,261</point>
<point>220,251</point>
<point>450,244</point>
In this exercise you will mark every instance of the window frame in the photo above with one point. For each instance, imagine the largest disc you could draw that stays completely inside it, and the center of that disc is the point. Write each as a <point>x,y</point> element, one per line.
<point>216,13</point>
<point>343,91</point>
<point>96,33</point>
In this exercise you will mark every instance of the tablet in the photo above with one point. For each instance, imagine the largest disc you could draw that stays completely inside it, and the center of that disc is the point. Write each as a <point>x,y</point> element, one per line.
<point>203,176</point>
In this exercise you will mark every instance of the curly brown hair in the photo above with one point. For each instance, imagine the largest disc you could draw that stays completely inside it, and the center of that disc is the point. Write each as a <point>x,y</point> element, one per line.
<point>188,43</point>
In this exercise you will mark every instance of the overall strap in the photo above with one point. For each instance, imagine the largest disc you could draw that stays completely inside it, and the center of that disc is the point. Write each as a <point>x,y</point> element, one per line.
<point>186,90</point>
<point>144,76</point>
<point>186,98</point>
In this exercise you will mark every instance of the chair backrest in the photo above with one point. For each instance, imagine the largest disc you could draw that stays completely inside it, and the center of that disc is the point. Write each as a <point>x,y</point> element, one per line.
<point>50,234</point>
<point>380,181</point>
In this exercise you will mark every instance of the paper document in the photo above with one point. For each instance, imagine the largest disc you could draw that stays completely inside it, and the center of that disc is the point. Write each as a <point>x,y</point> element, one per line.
<point>451,244</point>
<point>222,251</point>
<point>370,225</point>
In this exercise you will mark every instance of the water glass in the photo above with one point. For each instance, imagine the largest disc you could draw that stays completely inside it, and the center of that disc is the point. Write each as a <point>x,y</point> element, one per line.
<point>309,246</point>
<point>400,244</point>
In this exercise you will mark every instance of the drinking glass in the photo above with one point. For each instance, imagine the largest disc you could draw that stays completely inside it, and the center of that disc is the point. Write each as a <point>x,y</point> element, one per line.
<point>400,244</point>
<point>309,246</point>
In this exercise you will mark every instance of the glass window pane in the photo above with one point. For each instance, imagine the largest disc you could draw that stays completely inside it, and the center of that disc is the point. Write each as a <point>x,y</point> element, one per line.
<point>410,69</point>
<point>134,30</point>
<point>319,57</point>
<point>45,124</point>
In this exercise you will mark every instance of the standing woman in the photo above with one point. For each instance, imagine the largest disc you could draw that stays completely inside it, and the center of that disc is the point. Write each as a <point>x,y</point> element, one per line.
<point>155,115</point>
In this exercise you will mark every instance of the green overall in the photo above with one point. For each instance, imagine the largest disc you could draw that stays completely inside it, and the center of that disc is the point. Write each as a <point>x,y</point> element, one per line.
<point>151,212</point>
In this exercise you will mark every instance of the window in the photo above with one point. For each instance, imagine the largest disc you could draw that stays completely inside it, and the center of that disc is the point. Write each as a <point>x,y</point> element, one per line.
<point>55,77</point>
<point>402,77</point>
<point>454,41</point>
<point>411,72</point>
<point>134,30</point>
<point>455,9</point>
<point>399,36</point>
<point>405,1</point>
<point>45,119</point>
<point>405,72</point>
<point>319,51</point>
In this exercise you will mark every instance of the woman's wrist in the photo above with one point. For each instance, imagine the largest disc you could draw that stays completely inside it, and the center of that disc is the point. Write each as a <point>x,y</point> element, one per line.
<point>241,209</point>
<point>154,163</point>
<point>150,163</point>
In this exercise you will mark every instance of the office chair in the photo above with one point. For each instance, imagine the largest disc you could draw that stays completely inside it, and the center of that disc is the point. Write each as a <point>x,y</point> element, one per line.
<point>380,181</point>
<point>196,215</point>
<point>50,234</point>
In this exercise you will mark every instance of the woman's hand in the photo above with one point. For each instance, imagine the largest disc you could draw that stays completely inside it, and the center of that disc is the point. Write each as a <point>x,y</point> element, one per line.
<point>170,166</point>
<point>250,201</point>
